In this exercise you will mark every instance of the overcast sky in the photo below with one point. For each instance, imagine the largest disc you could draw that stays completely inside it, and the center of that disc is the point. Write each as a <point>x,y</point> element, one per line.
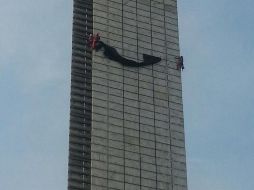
<point>216,38</point>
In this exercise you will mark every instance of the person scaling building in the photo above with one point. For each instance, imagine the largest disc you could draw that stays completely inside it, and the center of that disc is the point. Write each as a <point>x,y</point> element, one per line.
<point>93,40</point>
<point>179,63</point>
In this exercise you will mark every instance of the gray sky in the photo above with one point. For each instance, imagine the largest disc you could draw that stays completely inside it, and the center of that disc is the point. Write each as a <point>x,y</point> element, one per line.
<point>216,38</point>
<point>35,56</point>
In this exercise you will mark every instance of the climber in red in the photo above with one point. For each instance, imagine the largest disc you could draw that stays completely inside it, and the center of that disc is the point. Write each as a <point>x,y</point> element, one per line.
<point>90,40</point>
<point>179,63</point>
<point>93,40</point>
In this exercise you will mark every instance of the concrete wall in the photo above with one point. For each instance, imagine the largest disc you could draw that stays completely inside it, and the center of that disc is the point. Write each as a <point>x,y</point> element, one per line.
<point>137,138</point>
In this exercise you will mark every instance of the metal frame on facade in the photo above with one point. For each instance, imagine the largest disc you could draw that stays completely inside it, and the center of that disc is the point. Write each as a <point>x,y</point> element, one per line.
<point>79,171</point>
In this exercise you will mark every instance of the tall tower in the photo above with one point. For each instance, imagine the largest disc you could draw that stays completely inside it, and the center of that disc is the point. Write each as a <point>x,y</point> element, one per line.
<point>126,123</point>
